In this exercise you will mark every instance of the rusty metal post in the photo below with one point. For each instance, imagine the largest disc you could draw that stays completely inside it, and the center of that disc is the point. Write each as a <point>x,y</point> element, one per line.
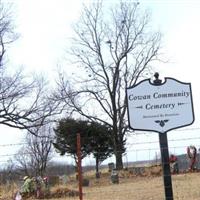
<point>79,166</point>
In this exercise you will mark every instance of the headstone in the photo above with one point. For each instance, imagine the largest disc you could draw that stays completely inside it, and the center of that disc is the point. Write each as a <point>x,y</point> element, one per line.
<point>85,182</point>
<point>111,166</point>
<point>114,176</point>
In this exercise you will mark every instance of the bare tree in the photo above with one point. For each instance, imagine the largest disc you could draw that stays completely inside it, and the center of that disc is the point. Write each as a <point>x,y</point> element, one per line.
<point>22,159</point>
<point>25,105</point>
<point>7,35</point>
<point>113,52</point>
<point>24,102</point>
<point>34,157</point>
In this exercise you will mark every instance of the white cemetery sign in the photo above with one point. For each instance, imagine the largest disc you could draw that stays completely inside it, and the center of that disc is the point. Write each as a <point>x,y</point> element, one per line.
<point>161,107</point>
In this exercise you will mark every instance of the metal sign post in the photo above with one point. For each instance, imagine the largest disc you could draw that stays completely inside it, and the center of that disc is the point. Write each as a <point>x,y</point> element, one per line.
<point>165,156</point>
<point>166,166</point>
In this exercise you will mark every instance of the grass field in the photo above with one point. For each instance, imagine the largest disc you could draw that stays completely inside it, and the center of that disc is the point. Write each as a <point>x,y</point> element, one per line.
<point>185,187</point>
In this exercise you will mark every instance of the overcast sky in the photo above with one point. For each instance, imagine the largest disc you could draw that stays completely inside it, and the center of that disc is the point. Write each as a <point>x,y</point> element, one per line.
<point>44,27</point>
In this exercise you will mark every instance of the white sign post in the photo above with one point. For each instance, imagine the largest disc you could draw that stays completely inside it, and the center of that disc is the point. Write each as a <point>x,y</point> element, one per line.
<point>161,107</point>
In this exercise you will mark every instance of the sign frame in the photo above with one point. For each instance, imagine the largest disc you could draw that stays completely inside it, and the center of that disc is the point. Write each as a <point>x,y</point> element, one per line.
<point>160,85</point>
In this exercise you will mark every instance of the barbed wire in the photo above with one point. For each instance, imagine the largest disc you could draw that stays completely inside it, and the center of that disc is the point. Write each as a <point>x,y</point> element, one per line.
<point>128,151</point>
<point>134,150</point>
<point>170,140</point>
<point>128,143</point>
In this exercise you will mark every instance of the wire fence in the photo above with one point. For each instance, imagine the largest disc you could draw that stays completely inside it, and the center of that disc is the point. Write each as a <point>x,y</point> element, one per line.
<point>142,176</point>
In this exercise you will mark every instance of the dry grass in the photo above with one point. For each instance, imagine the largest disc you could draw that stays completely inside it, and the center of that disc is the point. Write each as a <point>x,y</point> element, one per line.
<point>7,191</point>
<point>185,187</point>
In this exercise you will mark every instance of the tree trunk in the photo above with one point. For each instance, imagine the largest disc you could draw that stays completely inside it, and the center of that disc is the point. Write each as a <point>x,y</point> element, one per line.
<point>97,168</point>
<point>118,151</point>
<point>119,162</point>
<point>97,165</point>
